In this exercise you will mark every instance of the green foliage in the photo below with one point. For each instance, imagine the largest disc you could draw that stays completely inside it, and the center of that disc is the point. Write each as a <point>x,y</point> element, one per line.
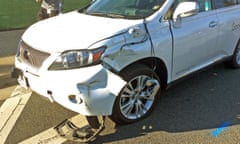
<point>21,13</point>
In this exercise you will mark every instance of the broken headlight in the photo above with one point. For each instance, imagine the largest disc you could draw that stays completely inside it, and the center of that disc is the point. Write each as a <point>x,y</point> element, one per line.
<point>77,58</point>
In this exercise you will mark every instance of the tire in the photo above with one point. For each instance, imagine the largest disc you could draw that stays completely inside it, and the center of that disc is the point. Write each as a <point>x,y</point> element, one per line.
<point>137,98</point>
<point>235,60</point>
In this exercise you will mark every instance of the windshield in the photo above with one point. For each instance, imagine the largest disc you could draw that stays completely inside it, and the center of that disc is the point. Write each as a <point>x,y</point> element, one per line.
<point>128,9</point>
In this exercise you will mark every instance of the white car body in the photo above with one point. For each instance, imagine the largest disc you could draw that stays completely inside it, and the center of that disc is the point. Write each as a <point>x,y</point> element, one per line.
<point>180,45</point>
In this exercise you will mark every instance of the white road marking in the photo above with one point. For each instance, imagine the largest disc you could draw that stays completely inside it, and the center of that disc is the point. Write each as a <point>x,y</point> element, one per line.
<point>11,110</point>
<point>50,136</point>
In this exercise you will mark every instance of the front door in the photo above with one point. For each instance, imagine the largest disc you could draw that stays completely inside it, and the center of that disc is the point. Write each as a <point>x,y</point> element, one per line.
<point>194,44</point>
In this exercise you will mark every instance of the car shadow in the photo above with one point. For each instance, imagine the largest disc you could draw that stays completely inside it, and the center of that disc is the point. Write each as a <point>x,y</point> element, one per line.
<point>204,101</point>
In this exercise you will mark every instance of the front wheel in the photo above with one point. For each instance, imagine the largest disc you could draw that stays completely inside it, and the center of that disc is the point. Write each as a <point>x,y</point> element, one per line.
<point>138,97</point>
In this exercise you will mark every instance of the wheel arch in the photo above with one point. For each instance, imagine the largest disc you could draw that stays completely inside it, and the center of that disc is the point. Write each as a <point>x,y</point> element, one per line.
<point>157,65</point>
<point>236,46</point>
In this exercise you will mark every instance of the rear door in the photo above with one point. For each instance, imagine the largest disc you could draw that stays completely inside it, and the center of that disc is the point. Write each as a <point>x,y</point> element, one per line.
<point>228,12</point>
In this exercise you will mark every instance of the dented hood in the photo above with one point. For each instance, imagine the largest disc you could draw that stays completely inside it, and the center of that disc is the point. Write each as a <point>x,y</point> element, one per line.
<point>73,31</point>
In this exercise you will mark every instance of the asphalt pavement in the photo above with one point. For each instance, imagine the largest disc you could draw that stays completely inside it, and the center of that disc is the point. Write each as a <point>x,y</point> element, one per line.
<point>204,109</point>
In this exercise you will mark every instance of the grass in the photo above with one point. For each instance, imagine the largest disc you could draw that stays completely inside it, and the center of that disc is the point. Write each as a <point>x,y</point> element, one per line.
<point>21,13</point>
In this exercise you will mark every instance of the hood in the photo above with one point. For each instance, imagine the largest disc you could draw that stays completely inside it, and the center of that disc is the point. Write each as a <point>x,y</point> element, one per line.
<point>73,31</point>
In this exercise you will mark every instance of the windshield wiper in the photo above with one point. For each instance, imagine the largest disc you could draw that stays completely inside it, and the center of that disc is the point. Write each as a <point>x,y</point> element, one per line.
<point>115,15</point>
<point>96,13</point>
<point>112,15</point>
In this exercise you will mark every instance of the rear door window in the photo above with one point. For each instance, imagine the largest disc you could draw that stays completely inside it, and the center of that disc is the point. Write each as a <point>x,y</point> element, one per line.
<point>225,3</point>
<point>229,2</point>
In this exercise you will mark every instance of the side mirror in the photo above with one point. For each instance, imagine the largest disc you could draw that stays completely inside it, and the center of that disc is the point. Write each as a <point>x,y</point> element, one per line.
<point>185,9</point>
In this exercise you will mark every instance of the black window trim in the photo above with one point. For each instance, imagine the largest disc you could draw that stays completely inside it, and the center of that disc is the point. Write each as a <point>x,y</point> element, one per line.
<point>215,5</point>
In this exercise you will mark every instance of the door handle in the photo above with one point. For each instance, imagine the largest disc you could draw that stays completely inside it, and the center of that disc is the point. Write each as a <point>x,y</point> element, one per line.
<point>212,24</point>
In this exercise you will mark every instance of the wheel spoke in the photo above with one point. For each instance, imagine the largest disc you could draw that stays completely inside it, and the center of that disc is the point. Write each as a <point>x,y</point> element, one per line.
<point>126,96</point>
<point>127,108</point>
<point>128,90</point>
<point>140,83</point>
<point>139,106</point>
<point>131,87</point>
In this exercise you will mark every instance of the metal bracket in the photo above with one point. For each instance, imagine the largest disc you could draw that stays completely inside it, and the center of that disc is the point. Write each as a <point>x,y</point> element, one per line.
<point>71,132</point>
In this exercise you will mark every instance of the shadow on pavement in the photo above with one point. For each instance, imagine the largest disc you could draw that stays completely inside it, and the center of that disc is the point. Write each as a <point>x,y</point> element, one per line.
<point>204,101</point>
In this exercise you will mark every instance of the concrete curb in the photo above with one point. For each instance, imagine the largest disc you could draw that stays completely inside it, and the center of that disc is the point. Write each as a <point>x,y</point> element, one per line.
<point>6,81</point>
<point>7,85</point>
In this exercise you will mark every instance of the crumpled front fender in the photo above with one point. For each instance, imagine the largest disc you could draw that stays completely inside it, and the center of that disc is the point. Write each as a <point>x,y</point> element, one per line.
<point>100,91</point>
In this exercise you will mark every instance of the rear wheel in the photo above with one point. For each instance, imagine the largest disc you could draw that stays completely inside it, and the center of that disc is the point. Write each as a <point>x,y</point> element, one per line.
<point>235,61</point>
<point>138,97</point>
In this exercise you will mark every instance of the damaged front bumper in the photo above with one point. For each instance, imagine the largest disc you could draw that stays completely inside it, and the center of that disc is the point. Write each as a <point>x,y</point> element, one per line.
<point>88,91</point>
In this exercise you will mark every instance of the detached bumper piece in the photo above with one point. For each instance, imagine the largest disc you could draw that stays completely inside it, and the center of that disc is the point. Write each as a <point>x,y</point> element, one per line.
<point>84,134</point>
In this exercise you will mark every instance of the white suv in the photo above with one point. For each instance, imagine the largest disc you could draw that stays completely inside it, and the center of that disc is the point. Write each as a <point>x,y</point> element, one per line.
<point>114,57</point>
